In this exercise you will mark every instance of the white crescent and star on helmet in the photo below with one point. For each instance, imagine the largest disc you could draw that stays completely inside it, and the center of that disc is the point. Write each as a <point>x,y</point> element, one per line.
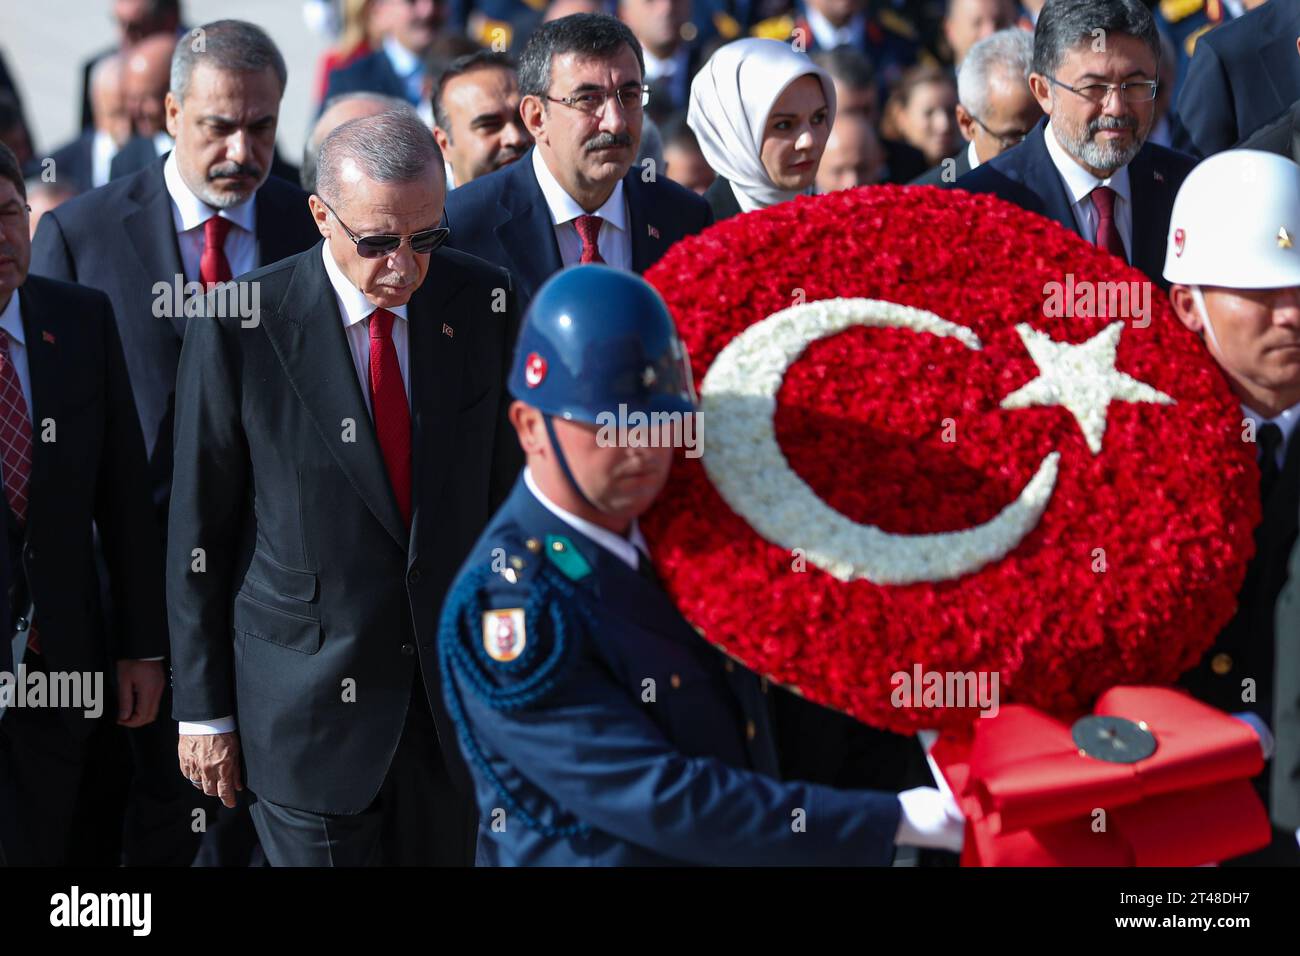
<point>745,464</point>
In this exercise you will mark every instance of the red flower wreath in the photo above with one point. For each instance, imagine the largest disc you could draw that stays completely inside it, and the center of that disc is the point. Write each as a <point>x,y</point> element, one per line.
<point>1134,565</point>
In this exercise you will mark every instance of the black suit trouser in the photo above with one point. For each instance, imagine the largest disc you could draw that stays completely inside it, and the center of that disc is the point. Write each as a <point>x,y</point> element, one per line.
<point>419,818</point>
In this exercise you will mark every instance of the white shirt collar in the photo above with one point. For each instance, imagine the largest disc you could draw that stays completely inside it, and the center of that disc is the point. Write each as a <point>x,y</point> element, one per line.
<point>829,36</point>
<point>1079,183</point>
<point>352,301</point>
<point>403,60</point>
<point>11,320</point>
<point>1285,420</point>
<point>189,211</point>
<point>564,208</point>
<point>971,156</point>
<point>625,549</point>
<point>656,68</point>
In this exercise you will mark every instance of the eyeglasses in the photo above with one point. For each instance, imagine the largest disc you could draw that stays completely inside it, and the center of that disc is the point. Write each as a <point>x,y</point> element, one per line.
<point>1005,140</point>
<point>631,98</point>
<point>1142,91</point>
<point>376,247</point>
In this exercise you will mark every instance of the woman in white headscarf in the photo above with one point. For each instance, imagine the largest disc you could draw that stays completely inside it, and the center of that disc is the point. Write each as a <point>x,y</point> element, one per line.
<point>762,114</point>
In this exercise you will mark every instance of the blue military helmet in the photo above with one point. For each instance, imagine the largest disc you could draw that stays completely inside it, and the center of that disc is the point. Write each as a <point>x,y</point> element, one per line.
<point>596,338</point>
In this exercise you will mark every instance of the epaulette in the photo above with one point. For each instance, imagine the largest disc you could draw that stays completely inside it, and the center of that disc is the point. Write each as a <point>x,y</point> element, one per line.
<point>773,28</point>
<point>495,34</point>
<point>728,27</point>
<point>509,633</point>
<point>896,23</point>
<point>1175,10</point>
<point>1189,42</point>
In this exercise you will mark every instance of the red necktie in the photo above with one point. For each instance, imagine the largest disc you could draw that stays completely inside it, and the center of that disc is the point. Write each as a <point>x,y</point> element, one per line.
<point>589,231</point>
<point>392,414</point>
<point>15,445</point>
<point>213,265</point>
<point>1103,200</point>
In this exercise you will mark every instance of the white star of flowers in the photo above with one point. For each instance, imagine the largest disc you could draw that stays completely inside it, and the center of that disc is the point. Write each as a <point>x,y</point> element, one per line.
<point>1081,378</point>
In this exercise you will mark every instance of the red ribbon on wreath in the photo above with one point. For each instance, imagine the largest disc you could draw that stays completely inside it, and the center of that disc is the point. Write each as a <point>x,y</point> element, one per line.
<point>1033,797</point>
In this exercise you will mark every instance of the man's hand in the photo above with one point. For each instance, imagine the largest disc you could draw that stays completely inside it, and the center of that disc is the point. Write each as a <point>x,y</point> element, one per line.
<point>930,819</point>
<point>211,762</point>
<point>139,688</point>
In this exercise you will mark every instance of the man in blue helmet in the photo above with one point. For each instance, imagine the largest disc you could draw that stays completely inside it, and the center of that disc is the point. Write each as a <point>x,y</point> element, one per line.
<point>600,729</point>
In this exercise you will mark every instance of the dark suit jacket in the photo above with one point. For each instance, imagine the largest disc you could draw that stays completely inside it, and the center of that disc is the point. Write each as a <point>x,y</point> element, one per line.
<point>74,164</point>
<point>1282,136</point>
<point>1243,74</point>
<point>1285,798</point>
<point>722,199</point>
<point>934,175</point>
<point>312,579</point>
<point>1026,176</point>
<point>92,474</point>
<point>373,73</point>
<point>121,239</point>
<point>502,217</point>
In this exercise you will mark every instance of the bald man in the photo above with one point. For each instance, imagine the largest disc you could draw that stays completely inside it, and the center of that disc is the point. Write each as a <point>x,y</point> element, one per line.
<point>853,155</point>
<point>85,162</point>
<point>337,111</point>
<point>145,80</point>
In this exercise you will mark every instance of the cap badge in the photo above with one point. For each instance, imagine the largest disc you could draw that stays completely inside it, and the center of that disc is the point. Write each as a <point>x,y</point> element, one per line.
<point>534,370</point>
<point>1284,238</point>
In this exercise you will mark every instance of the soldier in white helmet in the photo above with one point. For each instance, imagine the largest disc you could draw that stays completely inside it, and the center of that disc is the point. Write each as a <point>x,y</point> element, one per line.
<point>1233,259</point>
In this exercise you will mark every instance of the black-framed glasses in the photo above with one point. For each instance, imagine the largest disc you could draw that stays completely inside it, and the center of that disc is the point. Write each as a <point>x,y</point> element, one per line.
<point>1140,91</point>
<point>592,102</point>
<point>1005,140</point>
<point>376,247</point>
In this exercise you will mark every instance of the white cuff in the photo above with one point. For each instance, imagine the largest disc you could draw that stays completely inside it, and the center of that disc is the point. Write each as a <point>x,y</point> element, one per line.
<point>931,819</point>
<point>199,728</point>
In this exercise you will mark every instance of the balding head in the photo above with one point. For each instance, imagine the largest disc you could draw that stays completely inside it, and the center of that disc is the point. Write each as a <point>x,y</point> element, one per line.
<point>108,99</point>
<point>146,76</point>
<point>853,155</point>
<point>339,110</point>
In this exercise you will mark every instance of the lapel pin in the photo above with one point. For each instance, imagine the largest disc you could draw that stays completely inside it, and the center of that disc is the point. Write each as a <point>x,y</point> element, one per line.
<point>1158,176</point>
<point>1284,238</point>
<point>47,337</point>
<point>448,331</point>
<point>654,233</point>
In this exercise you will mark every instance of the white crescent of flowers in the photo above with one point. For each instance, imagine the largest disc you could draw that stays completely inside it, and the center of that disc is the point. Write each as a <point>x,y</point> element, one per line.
<point>748,469</point>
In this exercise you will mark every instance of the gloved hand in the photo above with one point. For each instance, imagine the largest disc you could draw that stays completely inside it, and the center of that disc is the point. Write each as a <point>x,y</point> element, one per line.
<point>930,819</point>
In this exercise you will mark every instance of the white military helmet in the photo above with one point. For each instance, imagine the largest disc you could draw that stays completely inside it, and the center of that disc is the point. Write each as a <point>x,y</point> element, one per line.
<point>1236,223</point>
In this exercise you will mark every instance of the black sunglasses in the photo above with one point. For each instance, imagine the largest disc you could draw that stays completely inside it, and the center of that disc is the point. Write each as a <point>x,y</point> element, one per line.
<point>376,247</point>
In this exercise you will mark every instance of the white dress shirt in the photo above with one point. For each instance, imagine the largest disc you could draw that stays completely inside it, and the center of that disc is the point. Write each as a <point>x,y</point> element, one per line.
<point>355,310</point>
<point>189,213</point>
<point>671,72</point>
<point>614,240</point>
<point>1286,421</point>
<point>829,36</point>
<point>625,549</point>
<point>972,157</point>
<point>102,151</point>
<point>1079,184</point>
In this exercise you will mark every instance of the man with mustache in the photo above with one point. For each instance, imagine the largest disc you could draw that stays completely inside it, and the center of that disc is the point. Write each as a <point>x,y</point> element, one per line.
<point>476,115</point>
<point>1088,164</point>
<point>1234,263</point>
<point>579,196</point>
<point>205,213</point>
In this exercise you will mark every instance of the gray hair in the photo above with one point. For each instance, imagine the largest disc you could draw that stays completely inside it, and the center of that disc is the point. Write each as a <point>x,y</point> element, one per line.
<point>1009,52</point>
<point>307,175</point>
<point>393,147</point>
<point>233,45</point>
<point>1066,24</point>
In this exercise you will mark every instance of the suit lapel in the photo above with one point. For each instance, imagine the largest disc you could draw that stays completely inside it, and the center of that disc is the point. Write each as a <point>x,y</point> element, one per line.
<point>436,364</point>
<point>307,334</point>
<point>152,231</point>
<point>274,241</point>
<point>42,328</point>
<point>648,242</point>
<point>527,234</point>
<point>1153,203</point>
<point>1043,179</point>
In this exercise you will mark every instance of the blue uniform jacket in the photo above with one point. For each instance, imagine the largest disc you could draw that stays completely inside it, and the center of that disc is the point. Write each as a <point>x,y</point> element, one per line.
<point>606,732</point>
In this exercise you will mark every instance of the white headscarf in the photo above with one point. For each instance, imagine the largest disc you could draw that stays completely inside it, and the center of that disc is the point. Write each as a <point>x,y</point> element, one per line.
<point>731,97</point>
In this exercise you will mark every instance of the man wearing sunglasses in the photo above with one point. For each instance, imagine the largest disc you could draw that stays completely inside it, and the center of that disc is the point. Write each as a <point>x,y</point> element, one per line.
<point>1089,165</point>
<point>579,196</point>
<point>335,461</point>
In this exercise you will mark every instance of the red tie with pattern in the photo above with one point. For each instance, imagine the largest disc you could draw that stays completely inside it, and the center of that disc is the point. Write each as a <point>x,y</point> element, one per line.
<point>392,414</point>
<point>213,264</point>
<point>1103,200</point>
<point>589,231</point>
<point>15,445</point>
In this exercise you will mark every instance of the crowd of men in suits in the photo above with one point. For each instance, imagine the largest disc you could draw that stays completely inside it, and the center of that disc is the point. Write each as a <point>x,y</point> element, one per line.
<point>324,461</point>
